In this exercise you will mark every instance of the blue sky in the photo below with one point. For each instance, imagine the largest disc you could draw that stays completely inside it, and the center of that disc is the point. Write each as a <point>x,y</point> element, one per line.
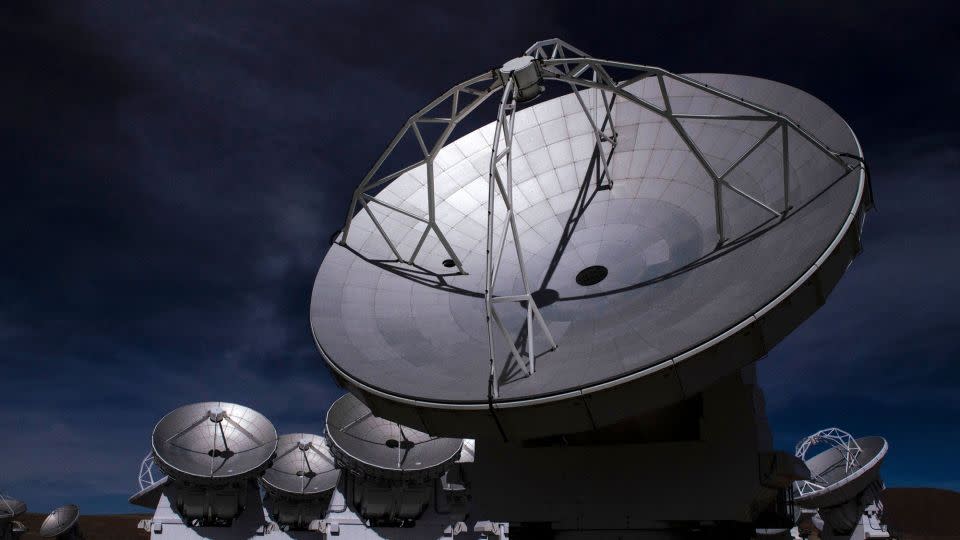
<point>172,175</point>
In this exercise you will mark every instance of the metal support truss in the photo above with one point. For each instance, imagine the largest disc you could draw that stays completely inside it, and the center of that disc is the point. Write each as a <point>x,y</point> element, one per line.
<point>559,62</point>
<point>146,477</point>
<point>838,439</point>
<point>5,506</point>
<point>503,131</point>
<point>565,63</point>
<point>463,99</point>
<point>605,143</point>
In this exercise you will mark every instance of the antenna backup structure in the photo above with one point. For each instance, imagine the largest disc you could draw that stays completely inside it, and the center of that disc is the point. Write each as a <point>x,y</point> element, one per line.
<point>584,284</point>
<point>844,485</point>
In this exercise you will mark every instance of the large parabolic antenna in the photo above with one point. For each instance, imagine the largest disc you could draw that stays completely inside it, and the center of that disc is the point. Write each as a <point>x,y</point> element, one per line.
<point>378,448</point>
<point>213,442</point>
<point>584,258</point>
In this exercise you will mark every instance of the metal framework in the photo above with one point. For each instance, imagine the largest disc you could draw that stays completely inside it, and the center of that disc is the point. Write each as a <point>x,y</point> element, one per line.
<point>146,478</point>
<point>504,131</point>
<point>5,506</point>
<point>559,62</point>
<point>845,443</point>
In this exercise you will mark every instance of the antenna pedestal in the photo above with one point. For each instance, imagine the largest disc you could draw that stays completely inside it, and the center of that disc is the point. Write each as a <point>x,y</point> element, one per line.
<point>388,503</point>
<point>857,519</point>
<point>168,524</point>
<point>688,464</point>
<point>211,504</point>
<point>12,530</point>
<point>436,521</point>
<point>295,514</point>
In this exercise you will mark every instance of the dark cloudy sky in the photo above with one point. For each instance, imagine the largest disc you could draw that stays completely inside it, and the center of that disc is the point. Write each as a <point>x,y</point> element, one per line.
<point>172,171</point>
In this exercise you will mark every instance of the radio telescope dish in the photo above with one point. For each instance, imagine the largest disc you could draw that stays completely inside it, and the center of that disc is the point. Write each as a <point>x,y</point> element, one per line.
<point>630,242</point>
<point>10,508</point>
<point>371,446</point>
<point>60,521</point>
<point>303,467</point>
<point>213,442</point>
<point>840,473</point>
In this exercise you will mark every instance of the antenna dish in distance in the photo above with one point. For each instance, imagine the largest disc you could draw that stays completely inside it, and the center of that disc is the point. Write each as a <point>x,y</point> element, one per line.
<point>60,521</point>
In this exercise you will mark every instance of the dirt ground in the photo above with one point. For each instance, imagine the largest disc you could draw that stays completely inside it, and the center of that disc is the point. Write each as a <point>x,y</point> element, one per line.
<point>910,513</point>
<point>922,513</point>
<point>123,527</point>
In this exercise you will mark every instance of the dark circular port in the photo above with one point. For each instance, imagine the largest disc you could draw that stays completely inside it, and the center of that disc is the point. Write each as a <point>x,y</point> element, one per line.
<point>448,263</point>
<point>591,275</point>
<point>404,445</point>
